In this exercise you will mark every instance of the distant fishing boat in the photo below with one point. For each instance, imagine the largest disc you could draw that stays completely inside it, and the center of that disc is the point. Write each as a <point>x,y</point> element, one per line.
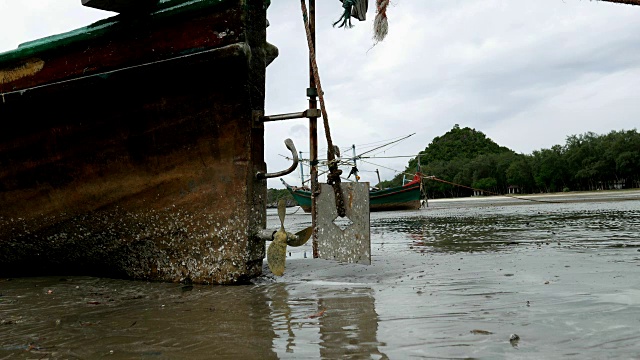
<point>406,197</point>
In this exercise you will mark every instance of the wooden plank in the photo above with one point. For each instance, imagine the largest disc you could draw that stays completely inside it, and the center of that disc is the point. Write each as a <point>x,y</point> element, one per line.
<point>120,45</point>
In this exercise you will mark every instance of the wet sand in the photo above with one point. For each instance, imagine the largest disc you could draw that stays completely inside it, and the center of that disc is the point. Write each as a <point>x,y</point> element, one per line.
<point>562,197</point>
<point>455,280</point>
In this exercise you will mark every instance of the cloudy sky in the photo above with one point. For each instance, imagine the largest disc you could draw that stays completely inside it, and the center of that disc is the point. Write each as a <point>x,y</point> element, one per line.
<point>526,73</point>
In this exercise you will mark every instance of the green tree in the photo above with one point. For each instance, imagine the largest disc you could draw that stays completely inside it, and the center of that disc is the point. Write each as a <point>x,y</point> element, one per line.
<point>454,157</point>
<point>488,183</point>
<point>519,174</point>
<point>585,162</point>
<point>274,195</point>
<point>550,169</point>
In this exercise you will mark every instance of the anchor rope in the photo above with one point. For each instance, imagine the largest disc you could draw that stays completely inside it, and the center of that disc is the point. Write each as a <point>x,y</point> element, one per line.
<point>334,177</point>
<point>487,191</point>
<point>425,177</point>
<point>293,213</point>
<point>430,177</point>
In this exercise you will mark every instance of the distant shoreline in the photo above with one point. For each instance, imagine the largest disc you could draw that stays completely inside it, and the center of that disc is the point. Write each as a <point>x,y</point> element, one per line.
<point>573,196</point>
<point>515,199</point>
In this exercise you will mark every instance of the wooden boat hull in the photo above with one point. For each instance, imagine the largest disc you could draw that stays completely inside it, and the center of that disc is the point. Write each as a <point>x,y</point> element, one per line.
<point>129,148</point>
<point>399,198</point>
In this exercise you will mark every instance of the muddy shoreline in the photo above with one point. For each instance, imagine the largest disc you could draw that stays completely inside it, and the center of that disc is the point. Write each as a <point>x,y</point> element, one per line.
<point>459,278</point>
<point>452,281</point>
<point>516,199</point>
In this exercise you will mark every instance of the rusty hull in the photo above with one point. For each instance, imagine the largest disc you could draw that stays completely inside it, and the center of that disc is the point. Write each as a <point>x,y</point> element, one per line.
<point>132,153</point>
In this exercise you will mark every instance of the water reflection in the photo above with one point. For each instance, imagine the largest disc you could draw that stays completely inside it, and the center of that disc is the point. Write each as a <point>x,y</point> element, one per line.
<point>85,318</point>
<point>350,328</point>
<point>281,317</point>
<point>499,228</point>
<point>326,322</point>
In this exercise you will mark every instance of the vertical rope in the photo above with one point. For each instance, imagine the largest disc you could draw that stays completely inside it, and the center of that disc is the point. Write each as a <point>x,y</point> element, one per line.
<point>381,24</point>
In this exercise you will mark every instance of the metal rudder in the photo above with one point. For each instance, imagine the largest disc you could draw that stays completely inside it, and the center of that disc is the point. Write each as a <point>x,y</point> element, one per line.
<point>345,239</point>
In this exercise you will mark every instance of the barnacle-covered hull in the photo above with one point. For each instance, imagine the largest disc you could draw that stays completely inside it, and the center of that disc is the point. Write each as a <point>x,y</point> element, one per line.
<point>129,148</point>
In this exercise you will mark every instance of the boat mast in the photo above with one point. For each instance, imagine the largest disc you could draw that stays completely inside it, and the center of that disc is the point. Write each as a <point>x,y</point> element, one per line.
<point>301,171</point>
<point>355,164</point>
<point>423,185</point>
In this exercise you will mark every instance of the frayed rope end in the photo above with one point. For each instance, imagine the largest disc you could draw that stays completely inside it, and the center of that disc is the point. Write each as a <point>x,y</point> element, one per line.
<point>380,28</point>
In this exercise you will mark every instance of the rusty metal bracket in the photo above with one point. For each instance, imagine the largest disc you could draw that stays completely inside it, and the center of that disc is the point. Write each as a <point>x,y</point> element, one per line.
<point>309,113</point>
<point>294,153</point>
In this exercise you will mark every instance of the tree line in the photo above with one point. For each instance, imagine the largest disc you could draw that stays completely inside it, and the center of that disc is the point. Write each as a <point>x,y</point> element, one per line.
<point>275,195</point>
<point>467,157</point>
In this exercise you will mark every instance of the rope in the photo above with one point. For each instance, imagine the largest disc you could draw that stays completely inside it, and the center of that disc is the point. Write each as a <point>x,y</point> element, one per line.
<point>333,178</point>
<point>316,76</point>
<point>381,24</point>
<point>487,191</point>
<point>460,185</point>
<point>385,145</point>
<point>464,186</point>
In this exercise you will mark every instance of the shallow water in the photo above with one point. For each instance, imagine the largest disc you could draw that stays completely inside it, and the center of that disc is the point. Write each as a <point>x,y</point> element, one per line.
<point>451,281</point>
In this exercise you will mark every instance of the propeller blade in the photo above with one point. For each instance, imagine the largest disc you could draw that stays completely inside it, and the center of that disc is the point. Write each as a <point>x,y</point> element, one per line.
<point>282,211</point>
<point>300,238</point>
<point>277,253</point>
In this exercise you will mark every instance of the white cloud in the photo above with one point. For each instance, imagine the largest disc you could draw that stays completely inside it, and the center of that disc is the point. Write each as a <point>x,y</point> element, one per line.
<point>27,20</point>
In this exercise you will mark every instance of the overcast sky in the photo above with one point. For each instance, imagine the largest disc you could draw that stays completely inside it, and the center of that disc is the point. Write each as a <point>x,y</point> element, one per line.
<point>526,73</point>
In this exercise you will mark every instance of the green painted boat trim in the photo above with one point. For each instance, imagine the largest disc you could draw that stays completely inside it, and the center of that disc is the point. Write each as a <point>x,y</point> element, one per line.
<point>164,10</point>
<point>302,197</point>
<point>405,197</point>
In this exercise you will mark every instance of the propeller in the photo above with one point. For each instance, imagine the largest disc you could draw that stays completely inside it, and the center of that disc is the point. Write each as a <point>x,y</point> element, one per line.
<point>300,238</point>
<point>277,251</point>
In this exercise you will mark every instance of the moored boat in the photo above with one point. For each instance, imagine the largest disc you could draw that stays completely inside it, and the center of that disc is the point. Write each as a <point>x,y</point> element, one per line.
<point>406,197</point>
